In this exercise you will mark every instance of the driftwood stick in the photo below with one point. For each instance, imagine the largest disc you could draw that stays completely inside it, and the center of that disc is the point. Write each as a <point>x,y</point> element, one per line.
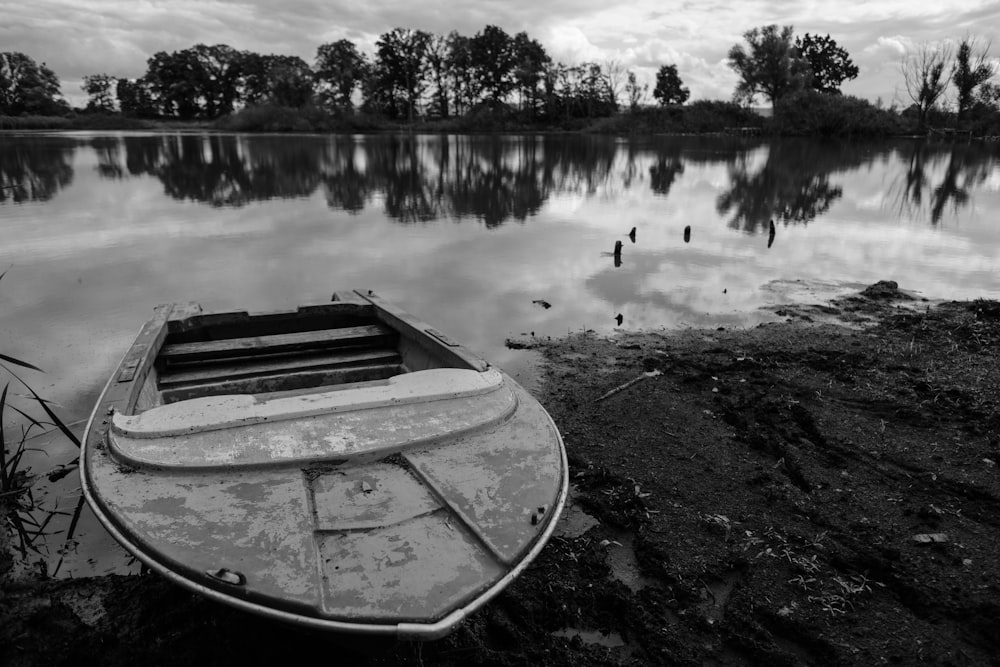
<point>623,387</point>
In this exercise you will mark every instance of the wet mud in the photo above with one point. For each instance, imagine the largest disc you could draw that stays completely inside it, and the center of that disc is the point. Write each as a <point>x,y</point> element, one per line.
<point>821,490</point>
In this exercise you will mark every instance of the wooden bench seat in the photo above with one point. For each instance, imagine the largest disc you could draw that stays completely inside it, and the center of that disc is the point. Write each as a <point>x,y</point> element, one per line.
<point>188,374</point>
<point>372,335</point>
<point>278,362</point>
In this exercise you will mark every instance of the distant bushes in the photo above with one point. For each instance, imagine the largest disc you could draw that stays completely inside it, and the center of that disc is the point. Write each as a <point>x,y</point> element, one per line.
<point>812,113</point>
<point>74,122</point>
<point>34,123</point>
<point>696,118</point>
<point>310,118</point>
<point>804,113</point>
<point>265,119</point>
<point>984,121</point>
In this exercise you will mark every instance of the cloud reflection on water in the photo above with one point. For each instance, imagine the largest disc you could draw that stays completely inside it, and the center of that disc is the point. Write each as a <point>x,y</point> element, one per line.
<point>467,231</point>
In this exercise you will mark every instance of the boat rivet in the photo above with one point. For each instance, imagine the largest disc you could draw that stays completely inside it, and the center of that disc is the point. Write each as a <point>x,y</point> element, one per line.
<point>111,411</point>
<point>541,509</point>
<point>534,519</point>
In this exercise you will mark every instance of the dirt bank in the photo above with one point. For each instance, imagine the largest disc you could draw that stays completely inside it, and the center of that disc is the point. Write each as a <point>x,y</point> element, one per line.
<point>822,490</point>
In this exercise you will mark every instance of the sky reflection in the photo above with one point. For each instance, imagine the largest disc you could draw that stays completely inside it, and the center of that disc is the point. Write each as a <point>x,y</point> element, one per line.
<point>467,231</point>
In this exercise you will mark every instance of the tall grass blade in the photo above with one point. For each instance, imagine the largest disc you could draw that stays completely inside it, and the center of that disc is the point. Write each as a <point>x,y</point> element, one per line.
<point>33,423</point>
<point>18,362</point>
<point>70,531</point>
<point>4,481</point>
<point>55,418</point>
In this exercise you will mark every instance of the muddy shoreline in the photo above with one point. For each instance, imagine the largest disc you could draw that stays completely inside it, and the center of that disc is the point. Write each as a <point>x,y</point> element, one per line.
<point>822,490</point>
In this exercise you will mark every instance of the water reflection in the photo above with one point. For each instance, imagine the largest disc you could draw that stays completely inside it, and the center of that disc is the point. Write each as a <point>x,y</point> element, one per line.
<point>223,171</point>
<point>793,183</point>
<point>34,171</point>
<point>415,179</point>
<point>942,176</point>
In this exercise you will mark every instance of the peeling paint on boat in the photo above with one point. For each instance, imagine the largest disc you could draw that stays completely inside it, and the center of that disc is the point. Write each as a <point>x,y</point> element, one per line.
<point>396,507</point>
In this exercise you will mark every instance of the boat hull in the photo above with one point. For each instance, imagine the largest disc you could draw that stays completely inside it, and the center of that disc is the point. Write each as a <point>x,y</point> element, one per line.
<point>386,515</point>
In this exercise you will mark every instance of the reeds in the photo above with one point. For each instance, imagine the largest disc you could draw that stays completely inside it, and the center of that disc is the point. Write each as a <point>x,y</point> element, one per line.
<point>15,479</point>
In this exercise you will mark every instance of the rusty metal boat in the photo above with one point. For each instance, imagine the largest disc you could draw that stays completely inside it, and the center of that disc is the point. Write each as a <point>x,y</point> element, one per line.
<point>341,466</point>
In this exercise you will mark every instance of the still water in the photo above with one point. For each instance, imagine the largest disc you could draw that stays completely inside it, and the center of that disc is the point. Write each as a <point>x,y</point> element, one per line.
<point>469,232</point>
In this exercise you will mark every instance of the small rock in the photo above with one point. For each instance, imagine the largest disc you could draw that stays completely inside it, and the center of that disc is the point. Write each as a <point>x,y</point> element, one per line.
<point>930,538</point>
<point>885,289</point>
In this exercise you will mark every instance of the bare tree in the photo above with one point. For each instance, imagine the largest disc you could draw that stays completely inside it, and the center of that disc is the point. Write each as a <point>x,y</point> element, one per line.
<point>924,76</point>
<point>616,75</point>
<point>972,68</point>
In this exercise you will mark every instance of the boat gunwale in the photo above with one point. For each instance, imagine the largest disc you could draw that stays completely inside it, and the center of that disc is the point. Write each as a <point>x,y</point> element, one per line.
<point>401,630</point>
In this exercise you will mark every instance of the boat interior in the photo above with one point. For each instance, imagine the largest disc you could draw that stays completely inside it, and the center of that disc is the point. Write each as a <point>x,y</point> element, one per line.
<point>347,343</point>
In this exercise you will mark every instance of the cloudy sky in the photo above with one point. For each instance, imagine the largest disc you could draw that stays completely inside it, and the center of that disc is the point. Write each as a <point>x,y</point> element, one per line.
<point>79,37</point>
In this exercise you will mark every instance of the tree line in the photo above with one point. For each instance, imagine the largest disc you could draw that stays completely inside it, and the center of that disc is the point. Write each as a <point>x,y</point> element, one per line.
<point>411,73</point>
<point>414,73</point>
<point>774,65</point>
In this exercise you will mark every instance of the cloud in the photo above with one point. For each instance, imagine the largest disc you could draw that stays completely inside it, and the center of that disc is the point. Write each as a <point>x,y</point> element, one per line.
<point>570,45</point>
<point>895,46</point>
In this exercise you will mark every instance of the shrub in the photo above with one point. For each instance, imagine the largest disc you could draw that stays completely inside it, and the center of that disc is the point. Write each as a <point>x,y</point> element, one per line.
<point>310,118</point>
<point>812,113</point>
<point>34,123</point>
<point>698,117</point>
<point>265,118</point>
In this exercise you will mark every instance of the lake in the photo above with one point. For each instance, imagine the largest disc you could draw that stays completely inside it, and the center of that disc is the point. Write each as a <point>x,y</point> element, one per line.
<point>486,237</point>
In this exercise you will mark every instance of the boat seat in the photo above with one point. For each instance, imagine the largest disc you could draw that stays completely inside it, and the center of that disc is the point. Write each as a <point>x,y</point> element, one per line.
<point>211,413</point>
<point>229,348</point>
<point>373,418</point>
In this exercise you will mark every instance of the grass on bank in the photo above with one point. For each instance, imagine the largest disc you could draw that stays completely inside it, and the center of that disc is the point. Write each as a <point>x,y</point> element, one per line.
<point>17,503</point>
<point>805,113</point>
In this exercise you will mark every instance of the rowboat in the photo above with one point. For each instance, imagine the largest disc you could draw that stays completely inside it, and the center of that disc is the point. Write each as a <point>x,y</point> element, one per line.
<point>341,466</point>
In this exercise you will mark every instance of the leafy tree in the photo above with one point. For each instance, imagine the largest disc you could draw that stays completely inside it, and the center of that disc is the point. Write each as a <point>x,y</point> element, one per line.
<point>258,81</point>
<point>635,92</point>
<point>290,81</point>
<point>220,72</point>
<point>924,77</point>
<point>464,90</point>
<point>529,70</point>
<point>339,71</point>
<point>135,98</point>
<point>972,68</point>
<point>551,77</point>
<point>494,60</point>
<point>772,67</point>
<point>829,64</point>
<point>438,72</point>
<point>254,87</point>
<point>176,81</point>
<point>459,67</point>
<point>27,87</point>
<point>99,88</point>
<point>580,91</point>
<point>596,90</point>
<point>399,77</point>
<point>989,95</point>
<point>668,86</point>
